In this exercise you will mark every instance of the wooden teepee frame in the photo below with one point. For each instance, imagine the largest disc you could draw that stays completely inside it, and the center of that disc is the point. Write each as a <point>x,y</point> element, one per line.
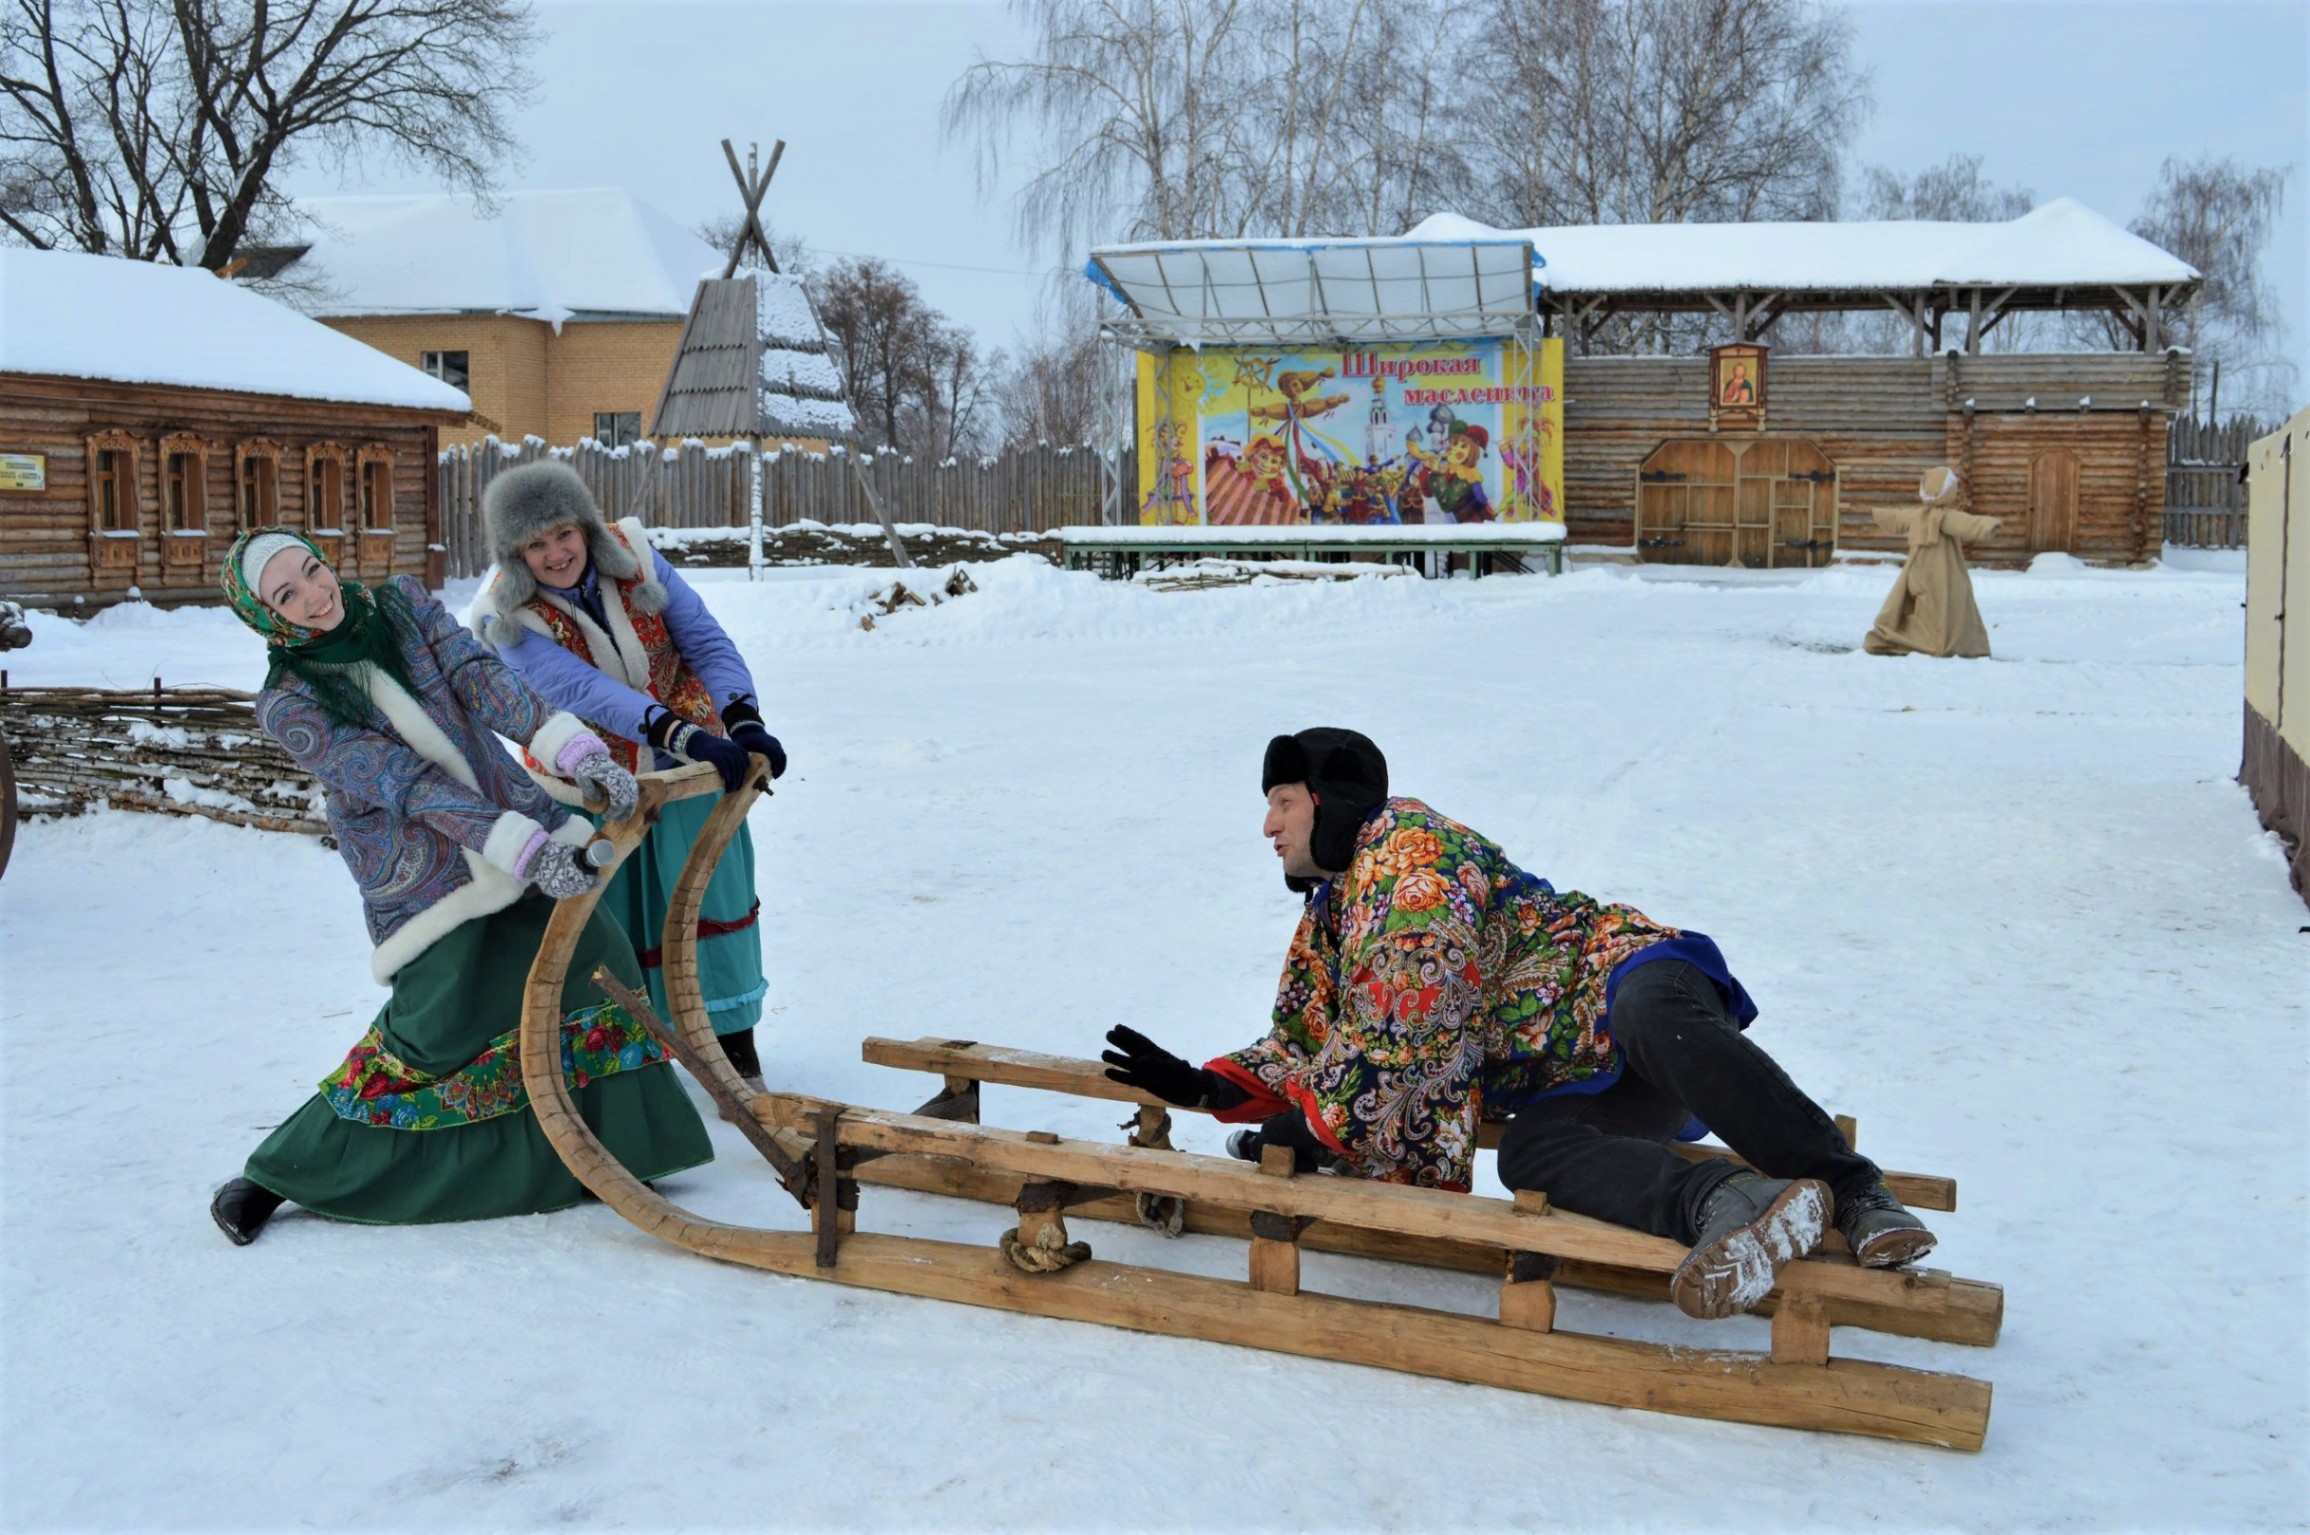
<point>822,1151</point>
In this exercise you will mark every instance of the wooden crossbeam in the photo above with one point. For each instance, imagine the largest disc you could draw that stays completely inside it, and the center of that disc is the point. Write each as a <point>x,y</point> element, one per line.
<point>1081,1078</point>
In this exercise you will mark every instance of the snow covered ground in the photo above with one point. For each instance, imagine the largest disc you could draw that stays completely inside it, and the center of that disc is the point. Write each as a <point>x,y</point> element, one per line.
<point>2013,914</point>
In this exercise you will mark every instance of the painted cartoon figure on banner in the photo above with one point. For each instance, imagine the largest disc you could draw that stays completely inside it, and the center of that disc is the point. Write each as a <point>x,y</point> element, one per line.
<point>1453,482</point>
<point>1172,501</point>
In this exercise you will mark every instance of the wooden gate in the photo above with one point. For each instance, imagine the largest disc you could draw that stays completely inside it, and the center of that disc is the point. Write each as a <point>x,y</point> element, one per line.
<point>2053,501</point>
<point>1767,503</point>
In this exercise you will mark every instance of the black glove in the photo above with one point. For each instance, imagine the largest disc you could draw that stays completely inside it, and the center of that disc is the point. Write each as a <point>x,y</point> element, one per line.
<point>669,732</point>
<point>1138,1061</point>
<point>744,722</point>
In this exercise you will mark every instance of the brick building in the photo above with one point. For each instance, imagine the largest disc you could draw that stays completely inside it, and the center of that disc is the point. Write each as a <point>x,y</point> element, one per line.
<point>559,314</point>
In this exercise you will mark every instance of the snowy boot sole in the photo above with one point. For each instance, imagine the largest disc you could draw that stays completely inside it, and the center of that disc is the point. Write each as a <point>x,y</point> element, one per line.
<point>1892,1248</point>
<point>1731,1274</point>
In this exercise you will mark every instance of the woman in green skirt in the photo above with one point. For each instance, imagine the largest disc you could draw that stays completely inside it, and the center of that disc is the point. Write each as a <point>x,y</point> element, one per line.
<point>393,706</point>
<point>600,624</point>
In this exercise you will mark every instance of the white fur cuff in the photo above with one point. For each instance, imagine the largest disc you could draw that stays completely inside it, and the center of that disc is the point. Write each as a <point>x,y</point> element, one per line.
<point>507,839</point>
<point>558,731</point>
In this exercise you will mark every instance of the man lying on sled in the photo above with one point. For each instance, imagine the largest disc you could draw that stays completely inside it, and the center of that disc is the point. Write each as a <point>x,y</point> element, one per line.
<point>1431,980</point>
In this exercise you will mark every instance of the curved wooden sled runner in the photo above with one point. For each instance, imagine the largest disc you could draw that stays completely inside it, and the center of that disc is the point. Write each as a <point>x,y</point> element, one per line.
<point>821,1151</point>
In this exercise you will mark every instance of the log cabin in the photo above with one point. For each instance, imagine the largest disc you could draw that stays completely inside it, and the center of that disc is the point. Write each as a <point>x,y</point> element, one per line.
<point>148,413</point>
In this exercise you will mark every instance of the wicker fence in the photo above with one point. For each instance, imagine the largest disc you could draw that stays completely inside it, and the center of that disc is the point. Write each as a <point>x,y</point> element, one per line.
<point>2205,481</point>
<point>694,486</point>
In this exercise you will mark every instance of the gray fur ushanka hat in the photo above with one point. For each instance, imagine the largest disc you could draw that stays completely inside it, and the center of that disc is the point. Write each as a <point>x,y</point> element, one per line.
<point>537,498</point>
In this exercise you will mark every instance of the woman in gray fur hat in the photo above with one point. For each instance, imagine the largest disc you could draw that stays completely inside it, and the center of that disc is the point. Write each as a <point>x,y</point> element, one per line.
<point>600,624</point>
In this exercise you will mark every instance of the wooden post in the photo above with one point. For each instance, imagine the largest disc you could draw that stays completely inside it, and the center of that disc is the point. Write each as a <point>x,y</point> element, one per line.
<point>1528,1293</point>
<point>1850,1129</point>
<point>889,529</point>
<point>1275,1252</point>
<point>1801,1330</point>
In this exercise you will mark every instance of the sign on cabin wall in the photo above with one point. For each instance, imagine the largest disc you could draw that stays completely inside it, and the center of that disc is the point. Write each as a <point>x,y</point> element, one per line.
<point>1414,432</point>
<point>23,471</point>
<point>1736,387</point>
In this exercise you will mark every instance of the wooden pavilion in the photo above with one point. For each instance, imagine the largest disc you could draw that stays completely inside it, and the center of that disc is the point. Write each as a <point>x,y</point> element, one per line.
<point>1736,454</point>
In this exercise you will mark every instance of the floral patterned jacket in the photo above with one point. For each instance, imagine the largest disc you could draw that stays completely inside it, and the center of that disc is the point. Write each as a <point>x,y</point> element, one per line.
<point>429,812</point>
<point>1431,983</point>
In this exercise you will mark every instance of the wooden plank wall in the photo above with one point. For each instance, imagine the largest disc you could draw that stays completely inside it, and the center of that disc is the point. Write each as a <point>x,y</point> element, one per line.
<point>695,486</point>
<point>1883,421</point>
<point>44,535</point>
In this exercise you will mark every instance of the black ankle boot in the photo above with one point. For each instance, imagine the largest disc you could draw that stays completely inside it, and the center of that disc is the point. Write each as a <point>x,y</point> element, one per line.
<point>241,1209</point>
<point>739,1047</point>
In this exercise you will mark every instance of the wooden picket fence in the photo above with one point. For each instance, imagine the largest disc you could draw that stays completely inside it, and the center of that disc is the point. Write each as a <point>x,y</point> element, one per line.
<point>695,486</point>
<point>2205,481</point>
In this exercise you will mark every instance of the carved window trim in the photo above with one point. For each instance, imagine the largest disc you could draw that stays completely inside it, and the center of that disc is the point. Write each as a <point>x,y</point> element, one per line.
<point>184,493</point>
<point>251,509</point>
<point>376,512</point>
<point>121,514</point>
<point>325,493</point>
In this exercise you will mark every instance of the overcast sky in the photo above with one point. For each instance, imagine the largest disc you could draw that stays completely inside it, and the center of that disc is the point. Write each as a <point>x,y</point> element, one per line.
<point>2081,98</point>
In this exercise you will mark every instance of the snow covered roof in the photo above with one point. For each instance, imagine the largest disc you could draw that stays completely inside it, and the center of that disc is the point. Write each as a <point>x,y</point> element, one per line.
<point>752,361</point>
<point>1473,284</point>
<point>136,322</point>
<point>549,255</point>
<point>2062,244</point>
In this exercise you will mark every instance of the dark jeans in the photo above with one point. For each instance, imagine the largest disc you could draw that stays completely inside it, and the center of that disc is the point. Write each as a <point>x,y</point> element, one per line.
<point>1604,1154</point>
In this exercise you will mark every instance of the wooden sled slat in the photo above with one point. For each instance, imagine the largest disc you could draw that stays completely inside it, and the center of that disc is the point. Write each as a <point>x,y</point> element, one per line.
<point>1082,1078</point>
<point>1973,1313</point>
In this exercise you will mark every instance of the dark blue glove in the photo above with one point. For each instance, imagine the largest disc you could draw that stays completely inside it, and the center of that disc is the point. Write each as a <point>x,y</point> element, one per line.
<point>670,733</point>
<point>744,722</point>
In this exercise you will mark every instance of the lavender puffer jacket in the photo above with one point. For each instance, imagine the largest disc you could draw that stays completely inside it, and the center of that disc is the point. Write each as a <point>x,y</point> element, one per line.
<point>430,813</point>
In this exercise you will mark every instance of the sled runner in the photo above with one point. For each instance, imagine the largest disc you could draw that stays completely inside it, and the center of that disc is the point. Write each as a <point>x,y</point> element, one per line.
<point>822,1151</point>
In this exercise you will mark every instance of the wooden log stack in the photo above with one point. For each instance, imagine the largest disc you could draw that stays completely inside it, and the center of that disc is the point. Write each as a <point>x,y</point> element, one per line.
<point>177,751</point>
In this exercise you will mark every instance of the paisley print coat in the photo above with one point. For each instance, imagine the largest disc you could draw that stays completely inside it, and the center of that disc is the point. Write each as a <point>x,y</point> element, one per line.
<point>429,812</point>
<point>1431,984</point>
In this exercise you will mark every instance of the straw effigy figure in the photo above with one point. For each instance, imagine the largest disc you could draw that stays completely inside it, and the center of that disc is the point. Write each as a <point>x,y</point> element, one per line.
<point>1930,610</point>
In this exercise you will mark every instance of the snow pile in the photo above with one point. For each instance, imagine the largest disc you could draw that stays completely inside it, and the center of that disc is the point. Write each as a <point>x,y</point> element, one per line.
<point>800,389</point>
<point>137,322</point>
<point>1981,904</point>
<point>2061,243</point>
<point>548,255</point>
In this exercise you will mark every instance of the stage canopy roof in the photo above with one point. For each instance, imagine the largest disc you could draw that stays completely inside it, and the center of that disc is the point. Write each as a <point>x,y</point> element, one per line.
<point>1318,292</point>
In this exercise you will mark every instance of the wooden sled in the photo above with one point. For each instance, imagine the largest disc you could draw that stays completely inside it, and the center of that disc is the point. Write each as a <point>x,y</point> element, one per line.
<point>822,1151</point>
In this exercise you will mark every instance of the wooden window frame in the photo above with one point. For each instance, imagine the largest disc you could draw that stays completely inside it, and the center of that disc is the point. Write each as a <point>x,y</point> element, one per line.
<point>127,500</point>
<point>327,536</point>
<point>246,514</point>
<point>184,501</point>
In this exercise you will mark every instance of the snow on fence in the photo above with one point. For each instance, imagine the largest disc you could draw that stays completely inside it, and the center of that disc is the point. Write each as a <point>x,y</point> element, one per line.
<point>2205,481</point>
<point>696,486</point>
<point>187,751</point>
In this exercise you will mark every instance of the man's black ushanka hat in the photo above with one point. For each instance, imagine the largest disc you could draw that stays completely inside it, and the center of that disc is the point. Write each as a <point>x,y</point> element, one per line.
<point>1349,778</point>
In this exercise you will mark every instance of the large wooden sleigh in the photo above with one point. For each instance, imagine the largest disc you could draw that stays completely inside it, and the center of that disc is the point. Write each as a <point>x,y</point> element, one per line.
<point>823,1151</point>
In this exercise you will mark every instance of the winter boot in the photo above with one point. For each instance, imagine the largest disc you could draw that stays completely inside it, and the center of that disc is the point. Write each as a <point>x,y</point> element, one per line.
<point>1750,1226</point>
<point>241,1209</point>
<point>739,1047</point>
<point>1880,1231</point>
<point>1243,1145</point>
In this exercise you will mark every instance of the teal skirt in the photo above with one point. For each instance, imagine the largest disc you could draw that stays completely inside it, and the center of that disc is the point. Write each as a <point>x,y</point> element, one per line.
<point>449,1006</point>
<point>729,929</point>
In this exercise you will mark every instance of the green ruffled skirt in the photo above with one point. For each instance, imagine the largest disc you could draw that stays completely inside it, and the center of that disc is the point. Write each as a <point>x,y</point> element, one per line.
<point>447,1006</point>
<point>729,930</point>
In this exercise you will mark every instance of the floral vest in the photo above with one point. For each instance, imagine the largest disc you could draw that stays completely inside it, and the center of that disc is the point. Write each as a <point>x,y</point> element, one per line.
<point>669,678</point>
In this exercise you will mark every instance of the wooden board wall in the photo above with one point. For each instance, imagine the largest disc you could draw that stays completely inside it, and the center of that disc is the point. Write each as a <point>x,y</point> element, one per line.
<point>44,535</point>
<point>1883,421</point>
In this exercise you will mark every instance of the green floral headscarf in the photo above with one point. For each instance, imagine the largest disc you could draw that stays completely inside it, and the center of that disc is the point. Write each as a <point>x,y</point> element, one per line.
<point>334,663</point>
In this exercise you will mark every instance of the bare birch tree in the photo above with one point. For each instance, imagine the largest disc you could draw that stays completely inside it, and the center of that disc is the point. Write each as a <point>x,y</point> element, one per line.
<point>2217,215</point>
<point>161,129</point>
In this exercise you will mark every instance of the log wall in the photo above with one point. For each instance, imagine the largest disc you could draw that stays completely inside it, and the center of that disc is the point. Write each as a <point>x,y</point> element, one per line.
<point>46,547</point>
<point>1883,421</point>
